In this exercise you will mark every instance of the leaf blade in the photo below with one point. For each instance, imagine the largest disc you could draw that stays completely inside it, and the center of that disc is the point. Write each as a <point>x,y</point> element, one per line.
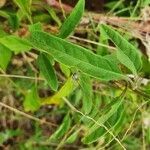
<point>15,43</point>
<point>74,18</point>
<point>76,56</point>
<point>32,101</point>
<point>63,128</point>
<point>86,87</point>
<point>24,6</point>
<point>48,71</point>
<point>94,133</point>
<point>64,91</point>
<point>5,56</point>
<point>124,48</point>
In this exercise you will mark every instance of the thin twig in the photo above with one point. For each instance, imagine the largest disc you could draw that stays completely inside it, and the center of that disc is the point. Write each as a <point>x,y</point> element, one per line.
<point>30,64</point>
<point>26,115</point>
<point>22,77</point>
<point>133,119</point>
<point>3,73</point>
<point>92,42</point>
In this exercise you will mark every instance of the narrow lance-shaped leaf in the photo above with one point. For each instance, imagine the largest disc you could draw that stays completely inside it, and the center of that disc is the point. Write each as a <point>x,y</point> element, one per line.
<point>65,69</point>
<point>103,39</point>
<point>76,56</point>
<point>101,132</point>
<point>5,56</point>
<point>63,128</point>
<point>86,87</point>
<point>11,17</point>
<point>35,27</point>
<point>72,138</point>
<point>53,14</point>
<point>108,111</point>
<point>94,136</point>
<point>48,71</point>
<point>64,91</point>
<point>15,43</point>
<point>127,54</point>
<point>120,119</point>
<point>74,18</point>
<point>13,21</point>
<point>25,5</point>
<point>95,131</point>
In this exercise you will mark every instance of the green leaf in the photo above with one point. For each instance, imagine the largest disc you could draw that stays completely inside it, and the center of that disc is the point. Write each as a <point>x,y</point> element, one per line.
<point>65,70</point>
<point>25,6</point>
<point>12,19</point>
<point>5,56</point>
<point>64,91</point>
<point>86,87</point>
<point>97,100</point>
<point>15,43</point>
<point>124,59</point>
<point>103,39</point>
<point>32,101</point>
<point>94,136</point>
<point>76,56</point>
<point>53,15</point>
<point>72,137</point>
<point>2,33</point>
<point>62,129</point>
<point>146,64</point>
<point>119,123</point>
<point>48,71</point>
<point>95,132</point>
<point>4,14</point>
<point>145,3</point>
<point>35,27</point>
<point>127,54</point>
<point>74,18</point>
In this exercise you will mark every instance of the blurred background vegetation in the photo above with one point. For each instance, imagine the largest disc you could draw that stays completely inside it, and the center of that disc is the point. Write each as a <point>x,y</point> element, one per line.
<point>25,125</point>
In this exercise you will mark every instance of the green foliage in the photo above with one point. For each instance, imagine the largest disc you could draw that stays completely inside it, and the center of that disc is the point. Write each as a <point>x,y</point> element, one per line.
<point>53,15</point>
<point>48,72</point>
<point>74,18</point>
<point>32,101</point>
<point>65,70</point>
<point>15,43</point>
<point>127,54</point>
<point>12,19</point>
<point>24,6</point>
<point>35,27</point>
<point>72,137</point>
<point>95,131</point>
<point>71,87</point>
<point>5,56</point>
<point>103,38</point>
<point>75,56</point>
<point>64,91</point>
<point>86,87</point>
<point>63,128</point>
<point>145,3</point>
